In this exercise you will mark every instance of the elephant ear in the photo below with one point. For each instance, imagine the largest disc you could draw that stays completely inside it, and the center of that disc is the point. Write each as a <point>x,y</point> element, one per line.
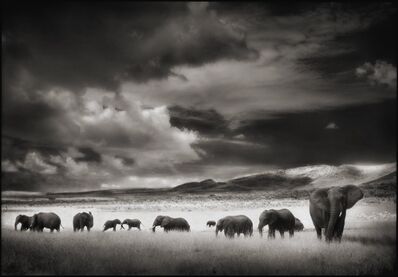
<point>165,221</point>
<point>320,199</point>
<point>354,194</point>
<point>273,216</point>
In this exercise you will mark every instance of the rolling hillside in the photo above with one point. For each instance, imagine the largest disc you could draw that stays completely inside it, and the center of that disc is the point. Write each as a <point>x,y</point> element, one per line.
<point>296,182</point>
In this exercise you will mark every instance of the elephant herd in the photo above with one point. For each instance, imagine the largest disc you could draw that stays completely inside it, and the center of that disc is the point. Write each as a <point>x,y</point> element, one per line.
<point>327,207</point>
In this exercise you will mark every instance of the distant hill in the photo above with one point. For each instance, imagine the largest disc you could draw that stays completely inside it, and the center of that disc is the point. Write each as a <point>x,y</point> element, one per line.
<point>385,186</point>
<point>327,175</point>
<point>263,182</point>
<point>377,180</point>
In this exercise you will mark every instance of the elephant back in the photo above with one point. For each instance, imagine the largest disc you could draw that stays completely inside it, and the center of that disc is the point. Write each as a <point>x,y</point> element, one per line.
<point>48,220</point>
<point>182,223</point>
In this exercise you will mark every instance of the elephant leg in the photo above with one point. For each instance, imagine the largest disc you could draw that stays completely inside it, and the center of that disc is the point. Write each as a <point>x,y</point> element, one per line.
<point>51,230</point>
<point>129,228</point>
<point>271,233</point>
<point>58,229</point>
<point>340,227</point>
<point>318,232</point>
<point>114,228</point>
<point>282,233</point>
<point>228,234</point>
<point>291,233</point>
<point>88,229</point>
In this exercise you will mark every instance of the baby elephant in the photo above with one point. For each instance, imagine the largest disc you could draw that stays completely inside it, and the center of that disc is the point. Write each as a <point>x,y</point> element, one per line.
<point>298,225</point>
<point>112,224</point>
<point>211,223</point>
<point>131,223</point>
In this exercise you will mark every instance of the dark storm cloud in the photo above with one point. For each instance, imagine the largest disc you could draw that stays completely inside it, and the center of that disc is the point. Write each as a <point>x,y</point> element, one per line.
<point>206,122</point>
<point>364,45</point>
<point>89,155</point>
<point>96,89</point>
<point>36,119</point>
<point>231,152</point>
<point>16,149</point>
<point>126,160</point>
<point>76,45</point>
<point>365,133</point>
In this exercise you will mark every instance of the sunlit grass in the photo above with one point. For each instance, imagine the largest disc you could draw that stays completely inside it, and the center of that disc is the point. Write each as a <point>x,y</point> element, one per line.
<point>362,251</point>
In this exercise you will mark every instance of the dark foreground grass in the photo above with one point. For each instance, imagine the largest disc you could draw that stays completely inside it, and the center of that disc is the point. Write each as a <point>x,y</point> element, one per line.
<point>364,251</point>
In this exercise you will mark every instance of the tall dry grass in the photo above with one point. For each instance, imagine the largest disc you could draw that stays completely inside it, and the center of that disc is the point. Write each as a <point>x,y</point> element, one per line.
<point>362,251</point>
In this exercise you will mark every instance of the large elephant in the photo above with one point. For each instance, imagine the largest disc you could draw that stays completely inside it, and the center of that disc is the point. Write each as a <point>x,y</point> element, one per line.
<point>236,224</point>
<point>298,225</point>
<point>281,220</point>
<point>112,224</point>
<point>328,209</point>
<point>82,220</point>
<point>45,220</point>
<point>132,223</point>
<point>169,223</point>
<point>25,221</point>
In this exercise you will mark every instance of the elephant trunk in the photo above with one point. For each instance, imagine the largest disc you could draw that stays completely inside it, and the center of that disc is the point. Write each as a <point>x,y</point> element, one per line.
<point>260,229</point>
<point>334,214</point>
<point>153,228</point>
<point>16,223</point>
<point>217,230</point>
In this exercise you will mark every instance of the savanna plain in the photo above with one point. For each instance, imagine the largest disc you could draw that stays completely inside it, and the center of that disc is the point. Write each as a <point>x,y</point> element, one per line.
<point>368,245</point>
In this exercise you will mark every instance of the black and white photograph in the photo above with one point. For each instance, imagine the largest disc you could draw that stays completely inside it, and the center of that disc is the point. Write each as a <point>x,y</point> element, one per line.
<point>198,138</point>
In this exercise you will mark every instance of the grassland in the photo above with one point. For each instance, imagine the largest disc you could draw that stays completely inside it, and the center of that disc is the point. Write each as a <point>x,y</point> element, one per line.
<point>369,250</point>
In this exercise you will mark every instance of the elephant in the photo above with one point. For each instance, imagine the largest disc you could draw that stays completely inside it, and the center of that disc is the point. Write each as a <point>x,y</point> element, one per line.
<point>25,221</point>
<point>211,223</point>
<point>281,220</point>
<point>82,220</point>
<point>237,224</point>
<point>298,225</point>
<point>46,220</point>
<point>112,224</point>
<point>132,223</point>
<point>169,223</point>
<point>328,209</point>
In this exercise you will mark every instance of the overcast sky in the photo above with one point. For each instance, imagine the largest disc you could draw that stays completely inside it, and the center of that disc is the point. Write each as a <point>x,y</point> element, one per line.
<point>121,94</point>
